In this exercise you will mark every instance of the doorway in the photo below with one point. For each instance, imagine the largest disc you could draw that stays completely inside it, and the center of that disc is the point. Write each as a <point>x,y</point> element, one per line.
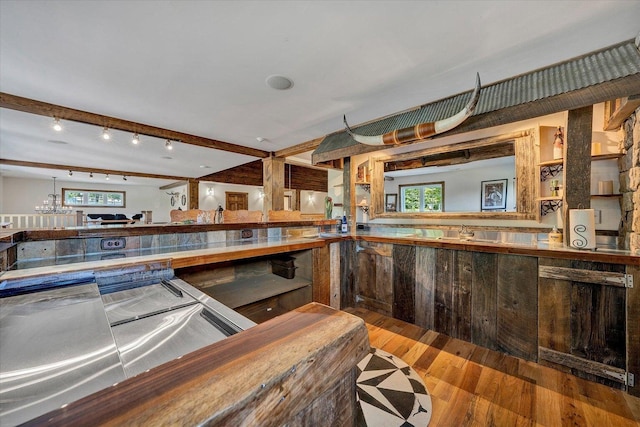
<point>236,201</point>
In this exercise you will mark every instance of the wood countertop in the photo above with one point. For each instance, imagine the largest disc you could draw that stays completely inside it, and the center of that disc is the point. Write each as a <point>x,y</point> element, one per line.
<point>268,375</point>
<point>139,229</point>
<point>217,253</point>
<point>540,250</point>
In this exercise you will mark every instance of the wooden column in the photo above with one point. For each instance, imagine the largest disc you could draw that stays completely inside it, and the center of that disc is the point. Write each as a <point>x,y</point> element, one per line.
<point>577,164</point>
<point>194,193</point>
<point>347,183</point>
<point>273,182</point>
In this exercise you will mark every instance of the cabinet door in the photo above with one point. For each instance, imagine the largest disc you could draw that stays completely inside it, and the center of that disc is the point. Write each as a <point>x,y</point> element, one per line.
<point>374,279</point>
<point>582,319</point>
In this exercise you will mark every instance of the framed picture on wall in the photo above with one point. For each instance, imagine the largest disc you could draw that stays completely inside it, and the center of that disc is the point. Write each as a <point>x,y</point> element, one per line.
<point>493,195</point>
<point>390,202</point>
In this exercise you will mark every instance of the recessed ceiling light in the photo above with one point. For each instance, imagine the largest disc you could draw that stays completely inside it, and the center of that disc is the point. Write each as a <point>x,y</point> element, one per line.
<point>261,139</point>
<point>279,82</point>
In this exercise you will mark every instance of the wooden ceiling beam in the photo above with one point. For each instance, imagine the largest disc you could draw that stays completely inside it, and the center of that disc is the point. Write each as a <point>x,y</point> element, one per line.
<point>32,106</point>
<point>88,170</point>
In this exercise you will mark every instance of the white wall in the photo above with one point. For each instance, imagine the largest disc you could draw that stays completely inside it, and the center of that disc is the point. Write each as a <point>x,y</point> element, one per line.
<point>312,202</point>
<point>210,202</point>
<point>20,196</point>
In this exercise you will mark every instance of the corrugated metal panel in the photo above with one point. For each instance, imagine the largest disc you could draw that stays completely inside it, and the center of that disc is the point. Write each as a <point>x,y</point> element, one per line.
<point>606,65</point>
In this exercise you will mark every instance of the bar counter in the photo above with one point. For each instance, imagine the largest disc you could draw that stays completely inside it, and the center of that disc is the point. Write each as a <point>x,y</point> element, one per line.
<point>297,369</point>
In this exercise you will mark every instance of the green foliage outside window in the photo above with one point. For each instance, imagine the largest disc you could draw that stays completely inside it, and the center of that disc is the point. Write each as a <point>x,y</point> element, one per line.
<point>422,197</point>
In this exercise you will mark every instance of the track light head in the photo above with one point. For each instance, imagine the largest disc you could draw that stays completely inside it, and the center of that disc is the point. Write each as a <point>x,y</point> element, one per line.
<point>136,139</point>
<point>105,133</point>
<point>168,145</point>
<point>90,174</point>
<point>124,177</point>
<point>107,177</point>
<point>57,126</point>
<point>70,173</point>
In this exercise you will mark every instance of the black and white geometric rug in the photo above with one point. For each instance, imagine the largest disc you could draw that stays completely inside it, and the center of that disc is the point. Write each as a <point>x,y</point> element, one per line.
<point>390,393</point>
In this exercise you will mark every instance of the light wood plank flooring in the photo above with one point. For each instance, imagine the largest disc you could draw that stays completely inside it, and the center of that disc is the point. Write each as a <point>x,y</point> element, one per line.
<point>474,386</point>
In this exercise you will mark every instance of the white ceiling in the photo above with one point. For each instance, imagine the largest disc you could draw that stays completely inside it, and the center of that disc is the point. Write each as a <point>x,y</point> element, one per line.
<point>200,67</point>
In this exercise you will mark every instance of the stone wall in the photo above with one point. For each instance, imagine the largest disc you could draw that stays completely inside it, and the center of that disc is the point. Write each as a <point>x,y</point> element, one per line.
<point>629,165</point>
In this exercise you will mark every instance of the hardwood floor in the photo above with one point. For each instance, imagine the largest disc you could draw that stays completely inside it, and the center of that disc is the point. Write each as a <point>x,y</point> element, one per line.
<point>474,386</point>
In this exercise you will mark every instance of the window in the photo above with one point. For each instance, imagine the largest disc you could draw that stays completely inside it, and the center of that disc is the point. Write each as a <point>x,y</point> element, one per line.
<point>427,197</point>
<point>93,198</point>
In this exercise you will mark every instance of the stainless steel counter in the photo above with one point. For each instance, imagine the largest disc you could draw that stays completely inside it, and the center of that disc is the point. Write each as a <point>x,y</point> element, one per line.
<point>56,347</point>
<point>60,344</point>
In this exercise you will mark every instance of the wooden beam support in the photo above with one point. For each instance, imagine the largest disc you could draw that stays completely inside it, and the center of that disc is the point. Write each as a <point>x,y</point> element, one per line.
<point>94,170</point>
<point>194,193</point>
<point>273,183</point>
<point>577,163</point>
<point>627,106</point>
<point>32,106</point>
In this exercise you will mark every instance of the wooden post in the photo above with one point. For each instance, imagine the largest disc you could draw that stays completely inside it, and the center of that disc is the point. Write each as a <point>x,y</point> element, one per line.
<point>194,194</point>
<point>273,182</point>
<point>577,164</point>
<point>347,182</point>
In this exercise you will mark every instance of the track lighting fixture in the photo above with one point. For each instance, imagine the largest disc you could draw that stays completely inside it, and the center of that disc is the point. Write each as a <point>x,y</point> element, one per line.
<point>168,145</point>
<point>70,173</point>
<point>124,177</point>
<point>107,177</point>
<point>90,174</point>
<point>57,126</point>
<point>105,133</point>
<point>136,139</point>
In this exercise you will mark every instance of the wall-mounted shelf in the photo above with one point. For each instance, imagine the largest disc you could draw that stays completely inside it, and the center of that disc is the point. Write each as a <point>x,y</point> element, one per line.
<point>606,196</point>
<point>608,156</point>
<point>551,163</point>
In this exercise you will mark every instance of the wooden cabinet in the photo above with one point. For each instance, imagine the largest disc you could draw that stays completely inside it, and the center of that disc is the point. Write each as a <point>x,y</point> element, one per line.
<point>582,317</point>
<point>576,316</point>
<point>484,298</point>
<point>249,286</point>
<point>487,299</point>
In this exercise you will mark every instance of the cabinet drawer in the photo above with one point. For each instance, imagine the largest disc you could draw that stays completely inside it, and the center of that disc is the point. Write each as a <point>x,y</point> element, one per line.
<point>269,308</point>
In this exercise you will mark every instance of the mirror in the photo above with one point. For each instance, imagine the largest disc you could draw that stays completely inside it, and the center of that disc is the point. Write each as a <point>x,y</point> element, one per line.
<point>484,178</point>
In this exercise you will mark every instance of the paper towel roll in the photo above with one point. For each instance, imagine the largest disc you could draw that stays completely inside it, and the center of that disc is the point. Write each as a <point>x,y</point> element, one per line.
<point>582,234</point>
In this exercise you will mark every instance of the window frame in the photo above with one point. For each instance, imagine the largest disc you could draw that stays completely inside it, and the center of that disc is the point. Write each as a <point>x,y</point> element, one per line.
<point>86,197</point>
<point>422,186</point>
